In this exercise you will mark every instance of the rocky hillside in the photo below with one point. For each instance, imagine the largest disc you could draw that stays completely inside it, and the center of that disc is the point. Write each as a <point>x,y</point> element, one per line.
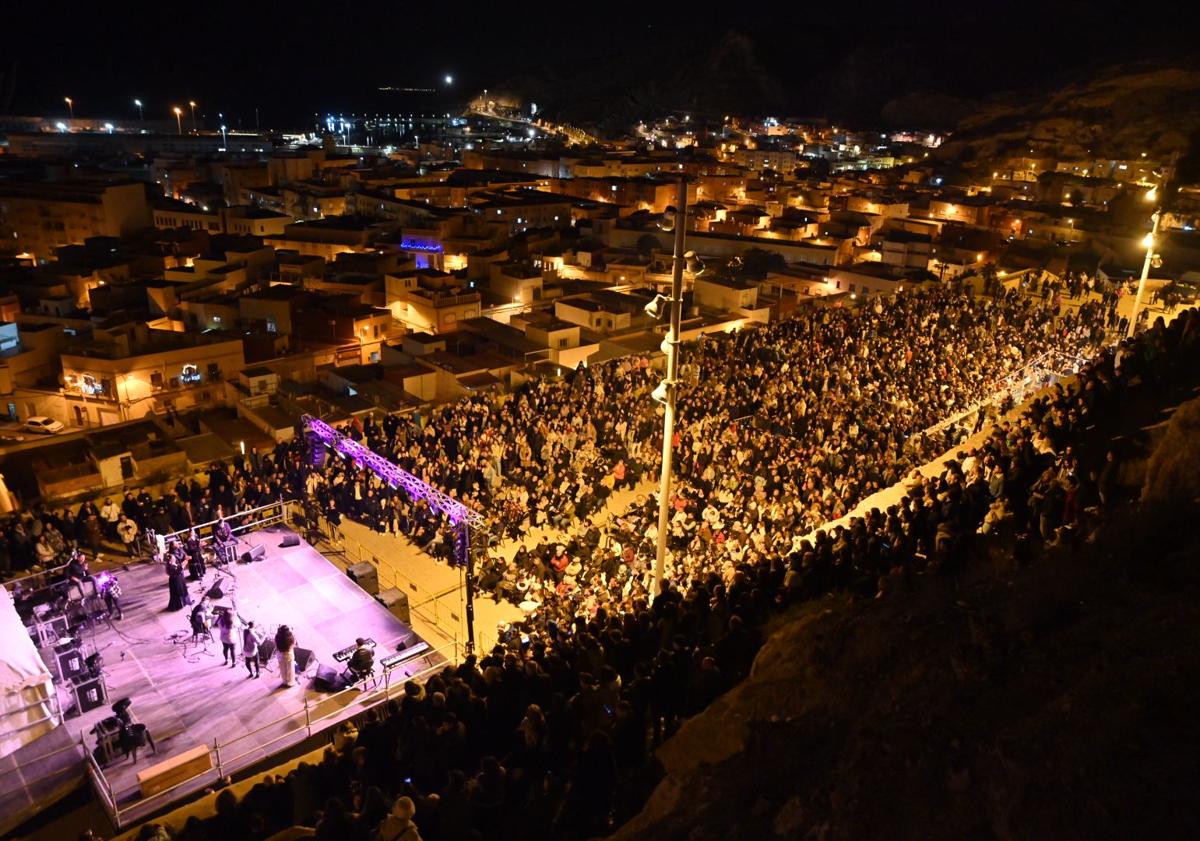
<point>1119,113</point>
<point>1049,702</point>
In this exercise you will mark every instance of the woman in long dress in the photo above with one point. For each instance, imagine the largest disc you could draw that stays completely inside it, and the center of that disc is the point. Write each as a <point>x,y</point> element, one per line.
<point>176,583</point>
<point>285,643</point>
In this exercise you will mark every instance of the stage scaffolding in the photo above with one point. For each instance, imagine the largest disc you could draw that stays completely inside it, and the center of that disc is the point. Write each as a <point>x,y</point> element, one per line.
<point>471,526</point>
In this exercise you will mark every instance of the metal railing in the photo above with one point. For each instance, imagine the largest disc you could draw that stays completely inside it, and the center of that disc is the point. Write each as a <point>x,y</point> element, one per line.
<point>279,507</point>
<point>220,760</point>
<point>445,610</point>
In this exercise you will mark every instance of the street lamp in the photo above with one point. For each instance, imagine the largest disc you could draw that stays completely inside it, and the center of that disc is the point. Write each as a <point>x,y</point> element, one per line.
<point>1152,195</point>
<point>449,79</point>
<point>666,391</point>
<point>141,113</point>
<point>178,118</point>
<point>70,106</point>
<point>223,143</point>
<point>192,103</point>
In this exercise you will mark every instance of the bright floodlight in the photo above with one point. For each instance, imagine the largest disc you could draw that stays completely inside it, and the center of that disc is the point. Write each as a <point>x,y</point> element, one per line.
<point>449,79</point>
<point>1148,241</point>
<point>1152,195</point>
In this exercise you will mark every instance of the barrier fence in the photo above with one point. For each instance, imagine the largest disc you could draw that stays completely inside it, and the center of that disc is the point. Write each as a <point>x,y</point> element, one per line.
<point>314,719</point>
<point>445,611</point>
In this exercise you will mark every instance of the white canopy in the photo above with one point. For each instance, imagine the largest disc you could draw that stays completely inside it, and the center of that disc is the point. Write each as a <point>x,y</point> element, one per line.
<point>27,711</point>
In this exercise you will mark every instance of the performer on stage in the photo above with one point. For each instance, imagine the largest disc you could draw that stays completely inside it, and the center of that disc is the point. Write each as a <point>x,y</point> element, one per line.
<point>195,555</point>
<point>176,583</point>
<point>229,625</point>
<point>251,637</point>
<point>224,541</point>
<point>285,642</point>
<point>362,661</point>
<point>201,617</point>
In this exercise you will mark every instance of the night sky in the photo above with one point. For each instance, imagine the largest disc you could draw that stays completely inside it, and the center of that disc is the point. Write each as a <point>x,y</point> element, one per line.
<point>291,60</point>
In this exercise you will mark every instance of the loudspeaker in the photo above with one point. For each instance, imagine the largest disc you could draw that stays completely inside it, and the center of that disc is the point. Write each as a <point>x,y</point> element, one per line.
<point>316,449</point>
<point>328,679</point>
<point>396,601</point>
<point>291,539</point>
<point>365,575</point>
<point>304,658</point>
<point>256,553</point>
<point>266,650</point>
<point>90,694</point>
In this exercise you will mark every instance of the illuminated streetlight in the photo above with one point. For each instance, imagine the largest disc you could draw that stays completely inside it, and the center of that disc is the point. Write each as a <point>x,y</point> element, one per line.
<point>141,113</point>
<point>449,79</point>
<point>178,118</point>
<point>70,106</point>
<point>192,103</point>
<point>223,143</point>
<point>1152,195</point>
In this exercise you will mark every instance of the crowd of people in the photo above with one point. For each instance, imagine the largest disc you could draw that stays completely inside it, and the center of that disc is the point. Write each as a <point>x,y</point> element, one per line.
<point>548,735</point>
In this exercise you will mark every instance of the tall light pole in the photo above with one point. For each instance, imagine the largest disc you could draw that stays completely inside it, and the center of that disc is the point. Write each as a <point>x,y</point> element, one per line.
<point>1158,196</point>
<point>70,106</point>
<point>178,118</point>
<point>1149,242</point>
<point>141,112</point>
<point>223,143</point>
<point>192,103</point>
<point>670,385</point>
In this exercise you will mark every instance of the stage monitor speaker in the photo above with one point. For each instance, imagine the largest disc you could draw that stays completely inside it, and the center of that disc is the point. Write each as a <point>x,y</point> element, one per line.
<point>328,679</point>
<point>396,601</point>
<point>266,650</point>
<point>291,539</point>
<point>366,576</point>
<point>304,658</point>
<point>256,553</point>
<point>90,694</point>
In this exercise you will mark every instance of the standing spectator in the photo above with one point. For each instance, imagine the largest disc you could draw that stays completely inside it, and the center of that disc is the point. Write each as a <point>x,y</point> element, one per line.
<point>398,825</point>
<point>127,530</point>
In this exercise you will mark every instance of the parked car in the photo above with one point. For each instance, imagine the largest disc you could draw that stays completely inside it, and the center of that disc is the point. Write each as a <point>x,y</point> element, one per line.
<point>1187,291</point>
<point>46,426</point>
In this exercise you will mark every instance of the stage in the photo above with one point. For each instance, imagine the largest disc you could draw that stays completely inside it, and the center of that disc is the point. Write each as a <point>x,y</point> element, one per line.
<point>186,697</point>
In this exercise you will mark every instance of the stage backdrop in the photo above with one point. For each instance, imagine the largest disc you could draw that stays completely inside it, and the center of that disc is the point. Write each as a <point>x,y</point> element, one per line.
<point>27,711</point>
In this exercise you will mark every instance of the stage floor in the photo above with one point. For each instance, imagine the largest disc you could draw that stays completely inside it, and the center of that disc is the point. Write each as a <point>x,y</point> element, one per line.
<point>187,697</point>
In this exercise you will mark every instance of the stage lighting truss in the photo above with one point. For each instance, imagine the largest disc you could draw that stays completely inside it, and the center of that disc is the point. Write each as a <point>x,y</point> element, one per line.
<point>457,513</point>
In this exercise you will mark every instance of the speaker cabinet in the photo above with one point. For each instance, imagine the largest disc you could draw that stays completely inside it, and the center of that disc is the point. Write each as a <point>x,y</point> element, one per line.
<point>396,601</point>
<point>365,576</point>
<point>291,539</point>
<point>328,679</point>
<point>304,658</point>
<point>256,553</point>
<point>266,650</point>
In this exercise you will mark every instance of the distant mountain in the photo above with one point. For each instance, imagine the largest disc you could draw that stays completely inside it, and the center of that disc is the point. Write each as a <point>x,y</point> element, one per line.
<point>616,92</point>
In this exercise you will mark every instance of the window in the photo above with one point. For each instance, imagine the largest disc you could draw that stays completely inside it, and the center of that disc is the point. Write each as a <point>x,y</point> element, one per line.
<point>190,374</point>
<point>272,326</point>
<point>214,371</point>
<point>156,380</point>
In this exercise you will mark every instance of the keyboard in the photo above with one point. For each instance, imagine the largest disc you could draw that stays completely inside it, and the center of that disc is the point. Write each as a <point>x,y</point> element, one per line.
<point>344,655</point>
<point>411,653</point>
